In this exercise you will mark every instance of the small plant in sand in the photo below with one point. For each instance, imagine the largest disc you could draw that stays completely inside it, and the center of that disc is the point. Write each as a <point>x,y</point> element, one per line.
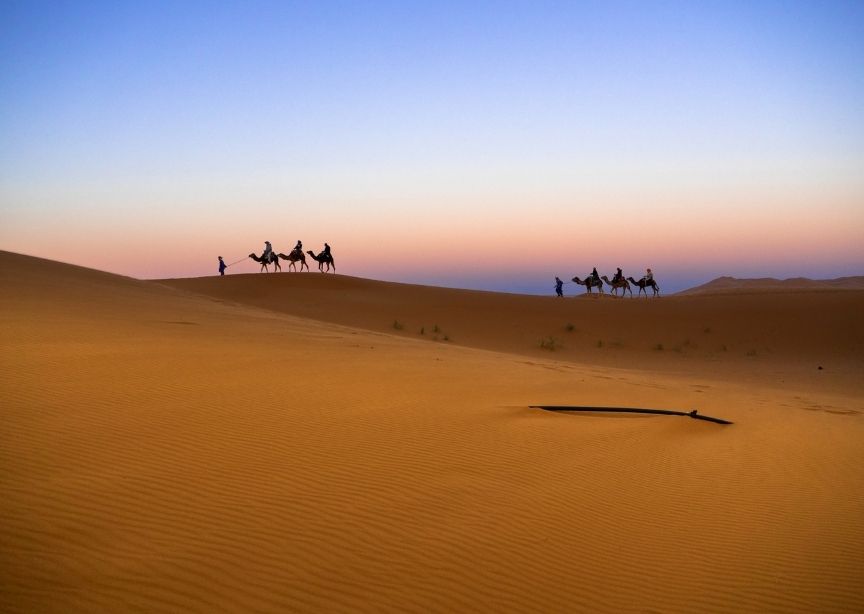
<point>446,337</point>
<point>422,330</point>
<point>570,327</point>
<point>599,343</point>
<point>549,343</point>
<point>398,325</point>
<point>435,329</point>
<point>707,330</point>
<point>751,352</point>
<point>658,347</point>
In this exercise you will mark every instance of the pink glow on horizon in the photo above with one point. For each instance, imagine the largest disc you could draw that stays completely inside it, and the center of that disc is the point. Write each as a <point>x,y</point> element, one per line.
<point>731,245</point>
<point>726,231</point>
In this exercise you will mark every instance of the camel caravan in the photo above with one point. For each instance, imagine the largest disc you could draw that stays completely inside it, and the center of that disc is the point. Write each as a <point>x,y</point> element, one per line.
<point>269,256</point>
<point>594,280</point>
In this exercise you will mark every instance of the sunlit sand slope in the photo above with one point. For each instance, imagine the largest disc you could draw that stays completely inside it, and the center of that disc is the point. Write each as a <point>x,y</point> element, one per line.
<point>166,452</point>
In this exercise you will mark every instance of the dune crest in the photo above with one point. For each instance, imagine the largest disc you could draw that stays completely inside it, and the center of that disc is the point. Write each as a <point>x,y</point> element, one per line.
<point>769,284</point>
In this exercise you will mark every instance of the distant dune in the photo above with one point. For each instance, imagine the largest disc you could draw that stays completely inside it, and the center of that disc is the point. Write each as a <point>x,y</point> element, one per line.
<point>309,442</point>
<point>768,284</point>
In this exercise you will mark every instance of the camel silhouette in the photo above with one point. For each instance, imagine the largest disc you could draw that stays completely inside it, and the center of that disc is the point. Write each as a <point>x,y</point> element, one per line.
<point>644,283</point>
<point>323,259</point>
<point>621,283</point>
<point>274,260</point>
<point>589,283</point>
<point>295,256</point>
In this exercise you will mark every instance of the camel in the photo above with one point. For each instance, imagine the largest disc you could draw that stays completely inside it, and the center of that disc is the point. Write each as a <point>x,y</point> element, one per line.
<point>323,259</point>
<point>295,256</point>
<point>621,283</point>
<point>643,283</point>
<point>274,260</point>
<point>589,283</point>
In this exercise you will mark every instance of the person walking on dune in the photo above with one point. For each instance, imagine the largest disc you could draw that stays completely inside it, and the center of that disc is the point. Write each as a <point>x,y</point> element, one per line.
<point>559,287</point>
<point>222,266</point>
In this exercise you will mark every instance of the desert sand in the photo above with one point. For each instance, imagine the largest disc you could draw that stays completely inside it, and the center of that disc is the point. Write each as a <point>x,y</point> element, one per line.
<point>309,442</point>
<point>769,284</point>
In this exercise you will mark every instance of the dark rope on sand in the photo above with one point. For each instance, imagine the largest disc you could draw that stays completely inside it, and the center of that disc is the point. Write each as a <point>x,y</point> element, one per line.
<point>632,410</point>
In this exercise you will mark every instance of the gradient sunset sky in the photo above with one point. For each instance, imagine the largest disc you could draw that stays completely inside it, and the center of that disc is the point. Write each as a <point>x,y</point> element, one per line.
<point>488,145</point>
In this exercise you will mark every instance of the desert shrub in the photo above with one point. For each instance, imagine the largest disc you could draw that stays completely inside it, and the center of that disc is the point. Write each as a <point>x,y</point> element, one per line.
<point>549,343</point>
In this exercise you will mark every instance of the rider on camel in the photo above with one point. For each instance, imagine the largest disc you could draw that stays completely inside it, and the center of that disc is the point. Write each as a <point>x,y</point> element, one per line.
<point>268,254</point>
<point>326,252</point>
<point>619,275</point>
<point>299,247</point>
<point>595,277</point>
<point>649,277</point>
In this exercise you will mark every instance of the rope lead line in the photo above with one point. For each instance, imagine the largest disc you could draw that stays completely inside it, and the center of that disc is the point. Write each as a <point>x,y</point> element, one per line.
<point>632,410</point>
<point>236,261</point>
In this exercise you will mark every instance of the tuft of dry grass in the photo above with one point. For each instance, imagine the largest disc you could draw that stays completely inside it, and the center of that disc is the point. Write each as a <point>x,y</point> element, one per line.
<point>549,343</point>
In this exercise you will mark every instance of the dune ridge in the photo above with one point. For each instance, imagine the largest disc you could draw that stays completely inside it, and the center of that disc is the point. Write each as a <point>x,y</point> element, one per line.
<point>164,451</point>
<point>770,284</point>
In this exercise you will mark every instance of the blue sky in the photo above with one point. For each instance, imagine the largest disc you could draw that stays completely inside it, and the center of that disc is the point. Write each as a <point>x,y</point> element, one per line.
<point>427,130</point>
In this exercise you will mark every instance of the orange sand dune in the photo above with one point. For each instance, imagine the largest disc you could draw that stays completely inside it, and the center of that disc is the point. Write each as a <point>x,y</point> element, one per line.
<point>781,339</point>
<point>795,284</point>
<point>168,451</point>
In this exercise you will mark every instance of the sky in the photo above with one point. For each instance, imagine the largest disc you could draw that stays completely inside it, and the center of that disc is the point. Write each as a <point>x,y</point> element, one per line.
<point>488,145</point>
